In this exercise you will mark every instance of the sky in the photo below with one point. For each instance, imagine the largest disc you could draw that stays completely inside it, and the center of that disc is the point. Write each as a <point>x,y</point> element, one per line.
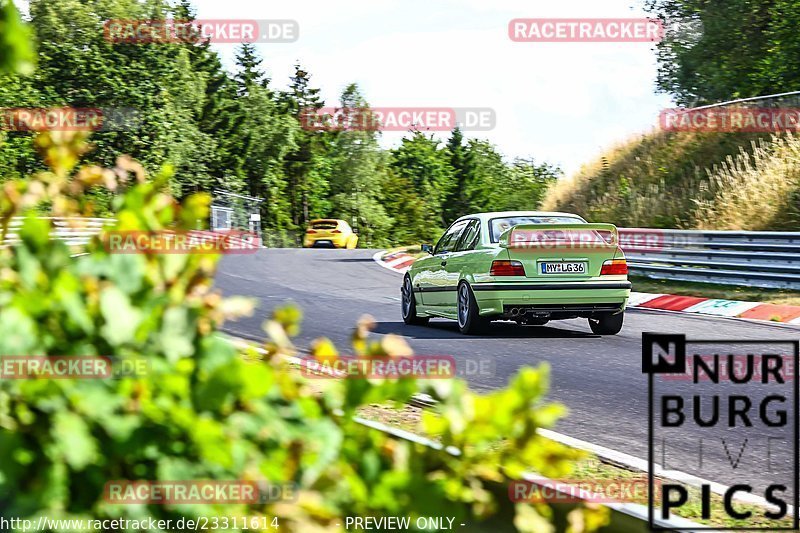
<point>560,103</point>
<point>556,102</point>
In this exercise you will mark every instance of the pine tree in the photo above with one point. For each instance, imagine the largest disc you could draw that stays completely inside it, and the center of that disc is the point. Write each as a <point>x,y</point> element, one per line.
<point>301,163</point>
<point>301,96</point>
<point>249,72</point>
<point>457,203</point>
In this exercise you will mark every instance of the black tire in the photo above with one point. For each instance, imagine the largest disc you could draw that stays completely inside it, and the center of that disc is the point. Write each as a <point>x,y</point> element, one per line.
<point>408,305</point>
<point>607,323</point>
<point>469,320</point>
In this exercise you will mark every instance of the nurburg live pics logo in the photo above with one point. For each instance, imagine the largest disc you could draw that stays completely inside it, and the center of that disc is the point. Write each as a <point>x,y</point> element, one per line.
<point>743,418</point>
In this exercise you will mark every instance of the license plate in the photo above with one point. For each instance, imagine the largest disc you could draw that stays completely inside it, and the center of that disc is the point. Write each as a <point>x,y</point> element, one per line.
<point>562,267</point>
<point>324,242</point>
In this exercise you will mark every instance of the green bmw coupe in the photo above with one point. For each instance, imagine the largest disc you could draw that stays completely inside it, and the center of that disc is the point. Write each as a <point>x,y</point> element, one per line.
<point>525,266</point>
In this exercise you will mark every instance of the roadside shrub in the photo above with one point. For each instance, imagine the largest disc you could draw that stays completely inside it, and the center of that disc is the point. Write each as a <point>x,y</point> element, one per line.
<point>207,410</point>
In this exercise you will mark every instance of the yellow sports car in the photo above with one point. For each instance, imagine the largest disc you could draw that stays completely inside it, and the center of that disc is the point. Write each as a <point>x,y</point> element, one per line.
<point>330,233</point>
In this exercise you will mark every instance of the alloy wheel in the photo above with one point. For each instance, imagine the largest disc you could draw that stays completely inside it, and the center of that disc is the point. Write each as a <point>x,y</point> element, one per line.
<point>463,304</point>
<point>406,297</point>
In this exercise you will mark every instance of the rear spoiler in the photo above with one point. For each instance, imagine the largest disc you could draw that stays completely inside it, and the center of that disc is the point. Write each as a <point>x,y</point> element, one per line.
<point>519,236</point>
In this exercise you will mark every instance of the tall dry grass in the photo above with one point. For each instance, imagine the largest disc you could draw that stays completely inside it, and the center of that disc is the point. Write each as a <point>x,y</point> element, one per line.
<point>756,192</point>
<point>689,180</point>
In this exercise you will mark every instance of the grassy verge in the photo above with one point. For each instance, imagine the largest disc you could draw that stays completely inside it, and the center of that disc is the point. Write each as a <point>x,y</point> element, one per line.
<point>595,470</point>
<point>711,290</point>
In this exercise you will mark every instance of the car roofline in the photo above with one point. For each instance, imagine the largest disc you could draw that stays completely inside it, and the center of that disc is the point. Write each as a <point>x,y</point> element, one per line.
<point>503,214</point>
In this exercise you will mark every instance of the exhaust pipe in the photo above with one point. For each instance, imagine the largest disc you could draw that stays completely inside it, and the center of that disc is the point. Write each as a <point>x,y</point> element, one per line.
<point>514,311</point>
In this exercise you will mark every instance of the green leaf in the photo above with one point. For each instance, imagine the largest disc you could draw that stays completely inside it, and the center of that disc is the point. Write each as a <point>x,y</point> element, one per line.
<point>176,336</point>
<point>18,332</point>
<point>73,440</point>
<point>121,318</point>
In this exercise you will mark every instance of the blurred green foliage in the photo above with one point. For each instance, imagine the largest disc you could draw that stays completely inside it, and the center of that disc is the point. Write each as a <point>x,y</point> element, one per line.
<point>207,410</point>
<point>16,50</point>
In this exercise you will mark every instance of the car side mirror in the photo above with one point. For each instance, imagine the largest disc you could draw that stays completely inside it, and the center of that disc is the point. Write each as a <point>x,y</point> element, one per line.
<point>427,248</point>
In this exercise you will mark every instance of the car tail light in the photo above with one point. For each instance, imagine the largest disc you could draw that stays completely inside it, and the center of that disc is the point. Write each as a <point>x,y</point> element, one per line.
<point>614,267</point>
<point>336,231</point>
<point>310,231</point>
<point>507,268</point>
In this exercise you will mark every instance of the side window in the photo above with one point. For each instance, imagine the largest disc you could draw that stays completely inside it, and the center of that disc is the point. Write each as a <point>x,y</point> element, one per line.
<point>470,237</point>
<point>448,241</point>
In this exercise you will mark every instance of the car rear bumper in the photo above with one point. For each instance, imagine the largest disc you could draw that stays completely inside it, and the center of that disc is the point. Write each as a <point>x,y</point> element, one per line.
<point>322,242</point>
<point>556,300</point>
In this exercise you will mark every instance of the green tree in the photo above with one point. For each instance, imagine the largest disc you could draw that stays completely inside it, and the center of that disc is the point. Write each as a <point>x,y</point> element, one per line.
<point>410,217</point>
<point>306,172</point>
<point>715,51</point>
<point>79,67</point>
<point>249,69</point>
<point>457,202</point>
<point>262,140</point>
<point>420,160</point>
<point>527,183</point>
<point>220,115</point>
<point>485,187</point>
<point>358,172</point>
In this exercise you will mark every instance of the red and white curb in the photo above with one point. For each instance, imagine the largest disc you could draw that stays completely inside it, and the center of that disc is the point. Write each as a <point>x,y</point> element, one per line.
<point>397,261</point>
<point>789,314</point>
<point>400,261</point>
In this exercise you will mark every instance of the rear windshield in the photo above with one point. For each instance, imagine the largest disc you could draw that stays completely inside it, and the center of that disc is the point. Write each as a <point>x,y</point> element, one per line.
<point>498,225</point>
<point>325,224</point>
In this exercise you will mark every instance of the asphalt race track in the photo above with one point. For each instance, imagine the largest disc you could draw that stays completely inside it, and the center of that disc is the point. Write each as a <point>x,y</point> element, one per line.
<point>598,378</point>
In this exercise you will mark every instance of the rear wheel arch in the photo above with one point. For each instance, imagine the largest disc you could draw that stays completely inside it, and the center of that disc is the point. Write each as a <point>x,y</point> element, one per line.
<point>467,311</point>
<point>408,304</point>
<point>467,278</point>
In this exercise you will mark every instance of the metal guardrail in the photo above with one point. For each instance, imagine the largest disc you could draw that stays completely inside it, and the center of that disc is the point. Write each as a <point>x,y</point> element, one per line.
<point>78,231</point>
<point>771,100</point>
<point>75,231</point>
<point>748,258</point>
<point>769,259</point>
